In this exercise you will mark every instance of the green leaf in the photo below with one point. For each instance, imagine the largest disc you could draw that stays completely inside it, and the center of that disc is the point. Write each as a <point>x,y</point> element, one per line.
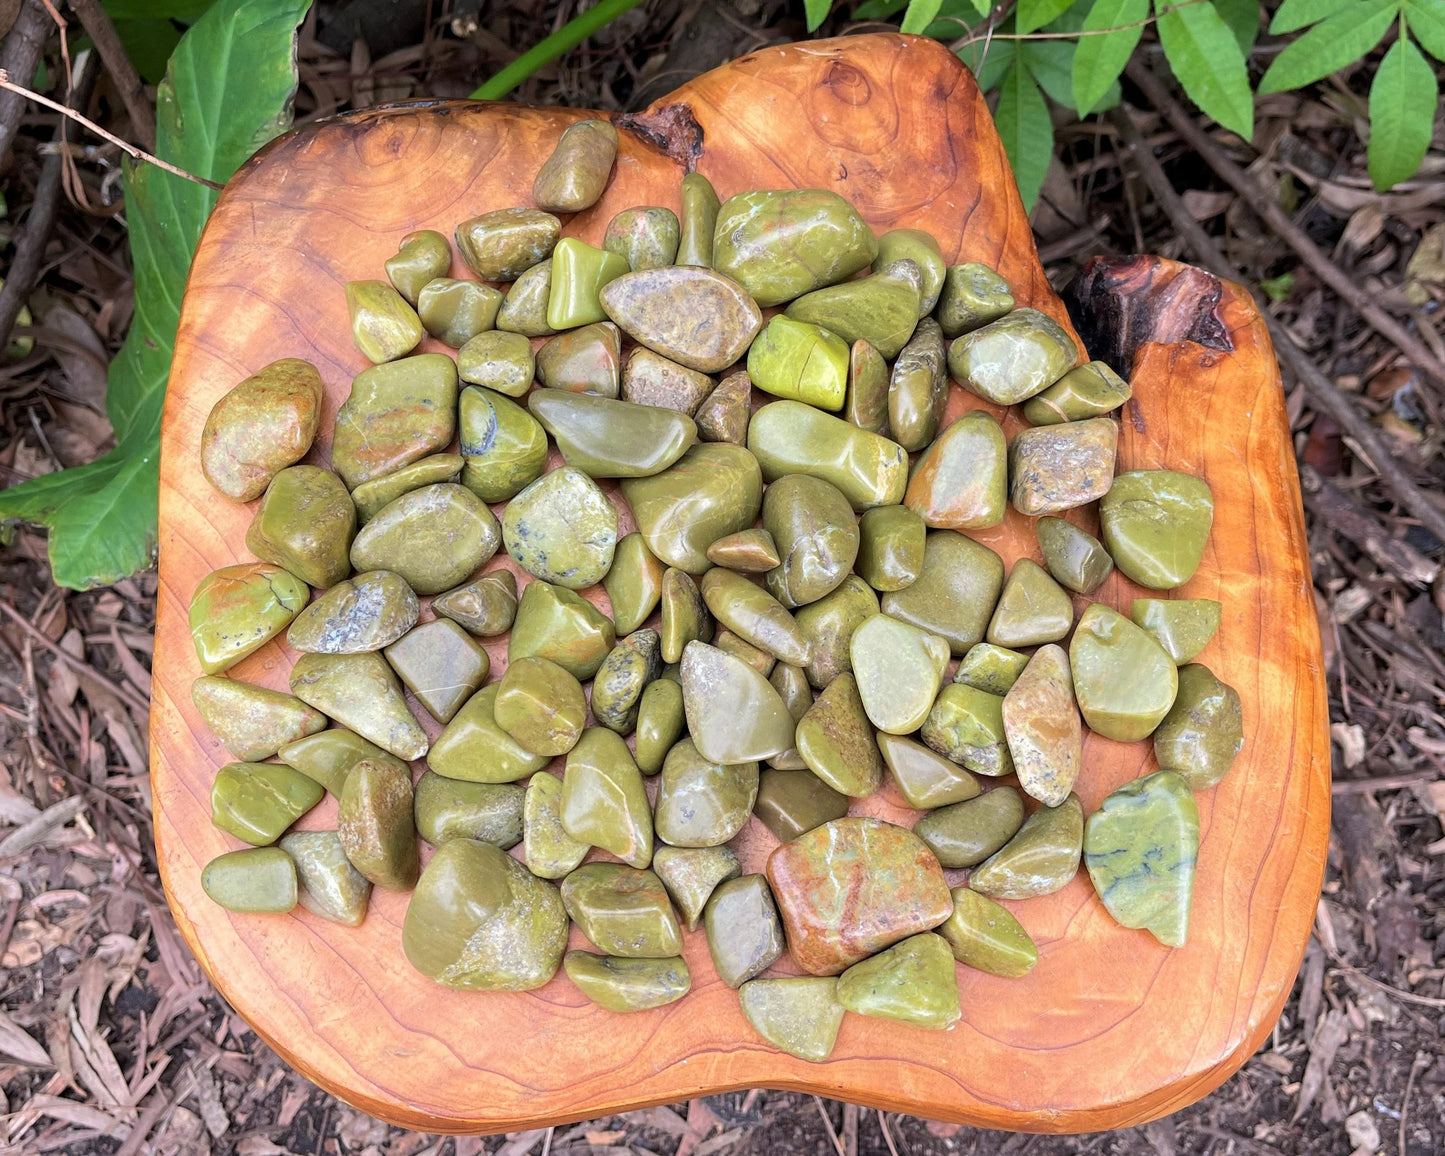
<point>1295,14</point>
<point>1279,288</point>
<point>1426,19</point>
<point>983,7</point>
<point>227,91</point>
<point>186,11</point>
<point>1327,47</point>
<point>1034,14</point>
<point>988,61</point>
<point>920,15</point>
<point>878,9</point>
<point>816,12</point>
<point>1402,113</point>
<point>1101,58</point>
<point>1207,61</point>
<point>1242,16</point>
<point>1051,63</point>
<point>1028,133</point>
<point>149,44</point>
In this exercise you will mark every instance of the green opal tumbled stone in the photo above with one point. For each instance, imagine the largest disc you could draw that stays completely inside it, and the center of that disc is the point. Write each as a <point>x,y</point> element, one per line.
<point>434,537</point>
<point>455,311</point>
<point>383,326</point>
<point>966,725</point>
<point>972,296</point>
<point>698,220</point>
<point>965,834</point>
<point>1058,467</point>
<point>1203,732</point>
<point>575,175</point>
<point>328,756</point>
<point>505,243</point>
<point>361,692</point>
<point>683,616</point>
<point>236,610</point>
<point>562,529</point>
<point>646,237</point>
<point>788,437</point>
<point>890,547</point>
<point>500,361</point>
<point>547,849</point>
<point>733,713</point>
<point>791,683</point>
<point>328,885</point>
<point>367,612</point>
<point>617,687</point>
<point>1124,682</point>
<point>1182,627</point>
<point>797,360</point>
<point>1156,524</point>
<point>1009,360</point>
<point>252,722</point>
<point>446,809</point>
<point>918,388</point>
<point>866,402</point>
<point>713,490</point>
<point>985,935</point>
<point>524,308</point>
<point>744,935</point>
<point>723,415</point>
<point>586,360</point>
<point>612,439</point>
<point>925,779</point>
<point>816,534</point>
<point>376,823</point>
<point>541,706</point>
<point>484,607</point>
<point>256,881</point>
<point>634,583</point>
<point>899,668</point>
<point>627,985</point>
<point>260,426</point>
<point>441,665</point>
<point>1033,608</point>
<point>1041,724</point>
<point>660,721</point>
<point>649,379</point>
<point>747,551</point>
<point>991,668</point>
<point>913,982</point>
<point>799,1014</point>
<point>692,874</point>
<point>604,802</point>
<point>305,524</point>
<point>373,496</point>
<point>828,626</point>
<point>881,309</point>
<point>256,802</point>
<point>792,802</point>
<point>504,446</point>
<point>754,615</point>
<point>394,415</point>
<point>961,481</point>
<point>922,249</point>
<point>954,593</point>
<point>1076,559</point>
<point>1040,859</point>
<point>692,316</point>
<point>1087,391</point>
<point>836,742</point>
<point>623,911</point>
<point>556,623</point>
<point>578,273</point>
<point>421,256</point>
<point>475,748</point>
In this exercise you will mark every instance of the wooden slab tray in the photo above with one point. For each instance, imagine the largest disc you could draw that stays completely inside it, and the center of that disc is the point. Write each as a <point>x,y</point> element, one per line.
<point>1111,1029</point>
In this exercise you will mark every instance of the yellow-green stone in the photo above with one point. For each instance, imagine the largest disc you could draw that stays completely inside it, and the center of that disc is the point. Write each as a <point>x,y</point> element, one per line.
<point>692,874</point>
<point>395,414</point>
<point>965,834</point>
<point>305,524</point>
<point>1009,360</point>
<point>236,610</point>
<point>954,593</point>
<point>1182,627</point>
<point>1203,732</point>
<point>361,692</point>
<point>890,547</point>
<point>617,687</point>
<point>1124,682</point>
<point>329,756</point>
<point>714,489</point>
<point>744,934</point>
<point>755,616</point>
<point>485,607</point>
<point>505,243</point>
<point>1040,859</point>
<point>557,623</point>
<point>1041,724</point>
<point>788,437</point>
<point>575,176</point>
<point>797,360</point>
<point>699,220</point>
<point>1076,559</point>
<point>922,249</point>
<point>421,256</point>
<point>627,985</point>
<point>455,311</point>
<point>434,537</point>
<point>836,742</point>
<point>733,713</point>
<point>816,534</point>
<point>991,668</point>
<point>448,809</point>
<point>562,529</point>
<point>646,237</point>
<point>683,617</point>
<point>966,725</point>
<point>541,706</point>
<point>547,849</point>
<point>441,664</point>
<point>505,447</point>
<point>501,361</point>
<point>367,612</point>
<point>925,779</point>
<point>972,296</point>
<point>1156,524</point>
<point>660,721</point>
<point>252,722</point>
<point>799,1014</point>
<point>918,388</point>
<point>256,881</point>
<point>474,748</point>
<point>985,935</point>
<point>604,802</point>
<point>791,803</point>
<point>371,497</point>
<point>623,911</point>
<point>913,982</point>
<point>383,326</point>
<point>1088,391</point>
<point>256,802</point>
<point>524,308</point>
<point>1033,608</point>
<point>329,886</point>
<point>376,825</point>
<point>634,583</point>
<point>866,402</point>
<point>578,273</point>
<point>828,626</point>
<point>898,668</point>
<point>605,438</point>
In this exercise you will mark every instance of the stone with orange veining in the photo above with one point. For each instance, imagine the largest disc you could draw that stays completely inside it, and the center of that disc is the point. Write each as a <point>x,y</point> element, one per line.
<point>260,427</point>
<point>853,886</point>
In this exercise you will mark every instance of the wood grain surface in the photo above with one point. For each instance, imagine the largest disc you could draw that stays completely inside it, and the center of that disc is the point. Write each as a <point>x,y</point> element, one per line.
<point>1110,1029</point>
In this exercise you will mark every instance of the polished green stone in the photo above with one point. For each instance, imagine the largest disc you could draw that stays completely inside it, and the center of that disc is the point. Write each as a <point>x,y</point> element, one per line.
<point>603,800</point>
<point>256,881</point>
<point>788,437</point>
<point>634,583</point>
<point>1058,467</point>
<point>575,175</point>
<point>961,481</point>
<point>475,748</point>
<point>1040,859</point>
<point>236,610</point>
<point>1009,360</point>
<point>256,802</point>
<point>524,308</point>
<point>328,756</point>
<point>1088,391</point>
<point>791,683</point>
<point>782,244</point>
<point>744,934</point>
<point>954,593</point>
<point>361,692</point>
<point>395,414</point>
<point>1124,681</point>
<point>421,256</point>
<point>455,311</point>
<point>1182,627</point>
<point>702,803</point>
<point>965,834</point>
<point>755,616</point>
<point>918,388</point>
<point>252,722</point>
<point>579,271</point>
<point>617,688</point>
<point>1033,608</point>
<point>505,447</point>
<point>1076,559</point>
<point>836,742</point>
<point>792,802</point>
<point>816,535</point>
<point>898,668</point>
<point>750,551</point>
<point>612,439</point>
<point>260,427</point>
<point>1156,524</point>
<point>484,607</point>
<point>991,668</point>
<point>828,624</point>
<point>649,379</point>
<point>801,361</point>
<point>985,935</point>
<point>925,779</point>
<point>305,524</point>
<point>733,713</point>
<point>683,617</point>
<point>660,721</point>
<point>434,537</point>
<point>922,249</point>
<point>447,809</point>
<point>367,612</point>
<point>441,664</point>
<point>373,496</point>
<point>692,874</point>
<point>1140,848</point>
<point>541,706</point>
<point>376,826</point>
<point>723,415</point>
<point>881,309</point>
<point>627,985</point>
<point>562,529</point>
<point>966,725</point>
<point>383,326</point>
<point>972,296</point>
<point>698,220</point>
<point>505,243</point>
<point>800,1015</point>
<point>646,238</point>
<point>547,849</point>
<point>1041,723</point>
<point>623,911</point>
<point>586,360</point>
<point>913,982</point>
<point>328,885</point>
<point>500,361</point>
<point>866,402</point>
<point>693,316</point>
<point>714,489</point>
<point>890,548</point>
<point>554,622</point>
<point>1203,732</point>
<point>481,921</point>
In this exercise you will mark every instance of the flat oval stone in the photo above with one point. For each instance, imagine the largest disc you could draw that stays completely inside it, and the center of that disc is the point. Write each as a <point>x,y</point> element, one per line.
<point>395,414</point>
<point>747,551</point>
<point>1156,524</point>
<point>693,316</point>
<point>524,308</point>
<point>836,742</point>
<point>422,256</point>
<point>562,529</point>
<point>714,489</point>
<point>866,402</point>
<point>1124,682</point>
<point>576,174</point>
<point>383,325</point>
<point>1076,559</point>
<point>328,885</point>
<point>701,803</point>
<point>541,706</point>
<point>828,625</point>
<point>625,673</point>
<point>328,756</point>
<point>1040,859</point>
<point>754,615</point>
<point>816,535</point>
<point>800,1015</point>
<point>1203,731</point>
<point>966,725</point>
<point>627,985</point>
<point>447,809</point>
<point>1009,360</point>
<point>650,379</point>
<point>1057,467</point>
<point>1182,627</point>
<point>260,427</point>
<point>890,547</point>
<point>504,446</point>
<point>913,982</point>
<point>899,668</point>
<point>554,622</point>
<point>547,849</point>
<point>361,693</point>
<point>366,612</point>
<point>500,361</point>
<point>1090,390</point>
<point>433,537</point>
<point>475,748</point>
<point>1033,608</point>
<point>634,583</point>
<point>850,888</point>
<point>699,219</point>
<point>991,668</point>
<point>780,244</point>
<point>723,416</point>
<point>578,273</point>
<point>918,388</point>
<point>612,439</point>
<point>504,244</point>
<point>604,803</point>
<point>922,249</point>
<point>965,834</point>
<point>972,296</point>
<point>236,610</point>
<point>744,935</point>
<point>961,481</point>
<point>801,361</point>
<point>692,874</point>
<point>484,607</point>
<point>374,496</point>
<point>305,524</point>
<point>586,360</point>
<point>375,824</point>
<point>881,309</point>
<point>985,935</point>
<point>1140,849</point>
<point>253,723</point>
<point>256,802</point>
<point>479,920</point>
<point>925,779</point>
<point>1041,723</point>
<point>441,665</point>
<point>683,617</point>
<point>954,593</point>
<point>623,911</point>
<point>733,713</point>
<point>660,720</point>
<point>793,802</point>
<point>788,437</point>
<point>454,311</point>
<point>256,881</point>
<point>645,237</point>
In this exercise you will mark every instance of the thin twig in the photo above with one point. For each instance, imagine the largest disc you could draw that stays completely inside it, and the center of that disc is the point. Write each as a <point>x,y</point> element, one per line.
<point>124,693</point>
<point>974,37</point>
<point>97,23</point>
<point>827,1123</point>
<point>138,153</point>
<point>887,1132</point>
<point>22,47</point>
<point>1418,1065</point>
<point>1407,996</point>
<point>1382,783</point>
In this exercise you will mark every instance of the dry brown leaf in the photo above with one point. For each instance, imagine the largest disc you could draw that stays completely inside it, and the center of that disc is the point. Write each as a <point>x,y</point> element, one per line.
<point>522,1143</point>
<point>602,1139</point>
<point>1202,204</point>
<point>1333,1031</point>
<point>82,356</point>
<point>74,1112</point>
<point>19,1045</point>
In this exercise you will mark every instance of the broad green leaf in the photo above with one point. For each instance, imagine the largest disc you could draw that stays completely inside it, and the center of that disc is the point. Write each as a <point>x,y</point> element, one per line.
<point>1028,133</point>
<point>983,7</point>
<point>149,44</point>
<point>816,12</point>
<point>988,61</point>
<point>920,14</point>
<point>1402,113</point>
<point>1051,62</point>
<point>227,91</point>
<point>1033,14</point>
<point>1207,61</point>
<point>1295,14</point>
<point>1101,57</point>
<point>878,9</point>
<point>1426,19</point>
<point>1242,16</point>
<point>1329,46</point>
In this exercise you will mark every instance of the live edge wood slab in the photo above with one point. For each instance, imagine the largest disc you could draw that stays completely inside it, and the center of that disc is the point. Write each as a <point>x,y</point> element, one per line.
<point>1111,1029</point>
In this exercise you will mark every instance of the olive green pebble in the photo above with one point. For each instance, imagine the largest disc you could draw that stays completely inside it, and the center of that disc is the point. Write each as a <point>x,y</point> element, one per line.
<point>256,802</point>
<point>455,311</point>
<point>1182,627</point>
<point>383,326</point>
<point>991,668</point>
<point>256,881</point>
<point>627,985</point>
<point>499,361</point>
<point>1076,559</point>
<point>452,809</point>
<point>633,583</point>
<point>421,256</point>
<point>484,607</point>
<point>541,706</point>
<point>328,885</point>
<point>660,721</point>
<point>547,849</point>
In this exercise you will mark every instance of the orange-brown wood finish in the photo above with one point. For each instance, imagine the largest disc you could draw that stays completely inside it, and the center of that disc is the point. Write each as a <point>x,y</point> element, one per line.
<point>1110,1029</point>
